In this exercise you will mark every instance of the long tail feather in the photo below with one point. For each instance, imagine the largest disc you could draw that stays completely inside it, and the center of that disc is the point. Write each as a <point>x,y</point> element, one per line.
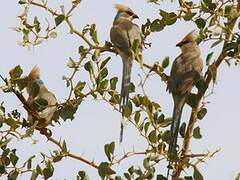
<point>179,102</point>
<point>126,78</point>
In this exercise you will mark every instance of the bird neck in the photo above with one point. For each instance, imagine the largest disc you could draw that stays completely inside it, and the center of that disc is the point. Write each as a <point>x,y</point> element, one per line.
<point>190,49</point>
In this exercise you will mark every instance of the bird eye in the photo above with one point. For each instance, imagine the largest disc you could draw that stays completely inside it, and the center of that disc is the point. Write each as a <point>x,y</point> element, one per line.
<point>130,13</point>
<point>185,42</point>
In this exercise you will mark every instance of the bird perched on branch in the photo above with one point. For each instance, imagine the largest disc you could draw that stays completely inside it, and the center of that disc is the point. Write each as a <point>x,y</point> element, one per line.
<point>186,69</point>
<point>124,35</point>
<point>40,99</point>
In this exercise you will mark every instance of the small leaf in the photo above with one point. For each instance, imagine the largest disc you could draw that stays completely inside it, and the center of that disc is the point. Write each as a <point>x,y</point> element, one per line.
<point>188,16</point>
<point>35,89</point>
<point>78,89</point>
<point>146,164</point>
<point>201,114</point>
<point>200,22</point>
<point>166,136</point>
<point>89,67</point>
<point>16,72</point>
<point>161,177</point>
<point>137,117</point>
<point>165,62</point>
<point>68,112</point>
<point>209,57</point>
<point>37,24</point>
<point>182,129</point>
<point>216,43</point>
<point>196,174</point>
<point>153,136</point>
<point>59,19</point>
<point>112,147</point>
<point>13,159</point>
<point>113,83</point>
<point>104,170</point>
<point>157,25</point>
<point>128,109</point>
<point>196,133</point>
<point>166,122</point>
<point>103,64</point>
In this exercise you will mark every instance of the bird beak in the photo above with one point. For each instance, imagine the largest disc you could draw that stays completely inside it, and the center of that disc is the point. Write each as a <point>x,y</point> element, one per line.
<point>180,44</point>
<point>135,16</point>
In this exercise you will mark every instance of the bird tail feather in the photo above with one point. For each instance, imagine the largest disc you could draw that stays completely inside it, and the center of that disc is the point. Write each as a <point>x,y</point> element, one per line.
<point>126,79</point>
<point>176,118</point>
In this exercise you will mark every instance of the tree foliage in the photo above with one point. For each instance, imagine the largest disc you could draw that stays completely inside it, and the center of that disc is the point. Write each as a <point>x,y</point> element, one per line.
<point>217,24</point>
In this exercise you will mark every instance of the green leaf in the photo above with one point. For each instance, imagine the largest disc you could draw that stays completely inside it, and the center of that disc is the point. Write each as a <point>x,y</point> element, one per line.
<point>59,19</point>
<point>128,109</point>
<point>83,175</point>
<point>182,129</point>
<point>89,67</point>
<point>153,136</point>
<point>146,164</point>
<point>200,22</point>
<point>188,16</point>
<point>13,175</point>
<point>105,61</point>
<point>137,116</point>
<point>37,24</point>
<point>165,62</point>
<point>34,175</point>
<point>131,88</point>
<point>104,170</point>
<point>107,151</point>
<point>146,127</point>
<point>112,147</point>
<point>68,112</point>
<point>196,174</point>
<point>166,136</point>
<point>209,57</point>
<point>216,43</point>
<point>161,177</point>
<point>196,133</point>
<point>16,72</point>
<point>201,114</point>
<point>29,162</point>
<point>22,2</point>
<point>35,88</point>
<point>14,159</point>
<point>166,122</point>
<point>78,89</point>
<point>157,25</point>
<point>11,122</point>
<point>172,18</point>
<point>40,104</point>
<point>113,83</point>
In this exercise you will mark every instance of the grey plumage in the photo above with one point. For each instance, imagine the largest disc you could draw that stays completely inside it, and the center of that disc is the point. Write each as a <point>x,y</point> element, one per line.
<point>123,34</point>
<point>185,70</point>
<point>47,113</point>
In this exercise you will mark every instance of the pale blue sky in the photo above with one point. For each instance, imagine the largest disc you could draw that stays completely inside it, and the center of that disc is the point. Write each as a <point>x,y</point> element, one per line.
<point>96,123</point>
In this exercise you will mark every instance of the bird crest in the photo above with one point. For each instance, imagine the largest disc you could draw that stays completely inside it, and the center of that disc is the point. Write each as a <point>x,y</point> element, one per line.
<point>190,36</point>
<point>122,8</point>
<point>35,73</point>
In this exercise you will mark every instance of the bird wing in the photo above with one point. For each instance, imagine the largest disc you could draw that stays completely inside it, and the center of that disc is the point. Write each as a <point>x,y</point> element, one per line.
<point>183,75</point>
<point>124,33</point>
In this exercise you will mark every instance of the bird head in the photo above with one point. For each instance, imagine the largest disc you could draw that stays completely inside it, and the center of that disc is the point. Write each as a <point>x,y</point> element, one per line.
<point>188,41</point>
<point>33,76</point>
<point>125,12</point>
